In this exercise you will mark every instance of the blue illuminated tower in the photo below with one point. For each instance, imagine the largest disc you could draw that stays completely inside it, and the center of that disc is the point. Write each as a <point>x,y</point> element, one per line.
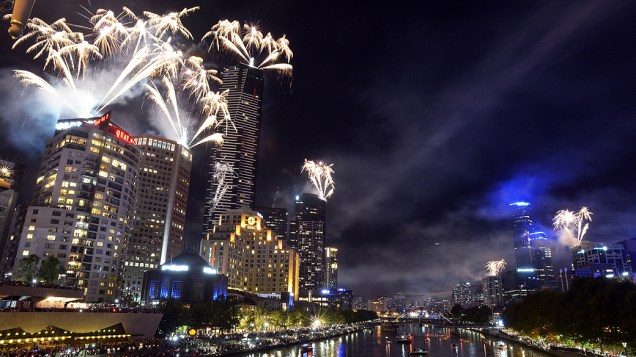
<point>533,254</point>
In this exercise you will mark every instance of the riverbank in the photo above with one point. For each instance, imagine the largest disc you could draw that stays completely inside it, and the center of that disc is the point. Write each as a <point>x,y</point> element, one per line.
<point>289,340</point>
<point>557,351</point>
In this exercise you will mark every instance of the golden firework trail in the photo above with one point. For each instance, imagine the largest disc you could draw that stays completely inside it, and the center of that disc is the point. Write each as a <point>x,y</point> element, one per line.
<point>140,50</point>
<point>495,267</point>
<point>251,46</point>
<point>321,176</point>
<point>574,224</point>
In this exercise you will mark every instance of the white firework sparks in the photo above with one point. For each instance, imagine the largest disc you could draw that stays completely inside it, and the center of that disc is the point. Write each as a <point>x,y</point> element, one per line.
<point>181,126</point>
<point>251,46</point>
<point>138,49</point>
<point>223,175</point>
<point>320,175</point>
<point>495,267</point>
<point>574,224</point>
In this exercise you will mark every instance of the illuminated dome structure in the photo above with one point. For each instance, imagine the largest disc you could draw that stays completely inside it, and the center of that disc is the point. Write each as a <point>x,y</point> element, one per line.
<point>187,278</point>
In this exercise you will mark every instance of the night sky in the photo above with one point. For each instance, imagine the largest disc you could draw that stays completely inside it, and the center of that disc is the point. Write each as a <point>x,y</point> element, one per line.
<point>436,116</point>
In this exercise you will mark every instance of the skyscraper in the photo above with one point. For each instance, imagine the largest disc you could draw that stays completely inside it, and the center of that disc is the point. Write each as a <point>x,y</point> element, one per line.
<point>276,219</point>
<point>522,227</point>
<point>242,248</point>
<point>162,197</point>
<point>10,180</point>
<point>309,241</point>
<point>331,268</point>
<point>240,147</point>
<point>83,204</point>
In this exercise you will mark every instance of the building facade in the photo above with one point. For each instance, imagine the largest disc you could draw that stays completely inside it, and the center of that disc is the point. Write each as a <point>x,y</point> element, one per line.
<point>276,219</point>
<point>254,261</point>
<point>331,268</point>
<point>187,278</point>
<point>493,291</point>
<point>240,148</point>
<point>10,180</point>
<point>600,260</point>
<point>162,197</point>
<point>83,204</point>
<point>309,240</point>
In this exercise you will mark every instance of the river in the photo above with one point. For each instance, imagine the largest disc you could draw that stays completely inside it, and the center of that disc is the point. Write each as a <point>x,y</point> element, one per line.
<point>373,343</point>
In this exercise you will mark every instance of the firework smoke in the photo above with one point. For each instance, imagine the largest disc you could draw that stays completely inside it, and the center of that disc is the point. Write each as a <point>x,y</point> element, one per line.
<point>320,175</point>
<point>253,48</point>
<point>223,175</point>
<point>574,225</point>
<point>141,53</point>
<point>495,267</point>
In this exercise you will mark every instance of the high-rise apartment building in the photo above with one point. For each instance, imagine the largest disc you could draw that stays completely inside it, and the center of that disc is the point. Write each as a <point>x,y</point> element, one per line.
<point>250,255</point>
<point>493,291</point>
<point>162,197</point>
<point>309,241</point>
<point>10,180</point>
<point>83,205</point>
<point>276,219</point>
<point>240,147</point>
<point>331,268</point>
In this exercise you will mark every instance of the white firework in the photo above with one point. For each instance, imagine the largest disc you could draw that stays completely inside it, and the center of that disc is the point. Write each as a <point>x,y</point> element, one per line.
<point>251,46</point>
<point>222,176</point>
<point>574,224</point>
<point>495,267</point>
<point>321,176</point>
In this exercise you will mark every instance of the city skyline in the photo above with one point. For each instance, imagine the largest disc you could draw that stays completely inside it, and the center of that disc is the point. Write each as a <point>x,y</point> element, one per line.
<point>433,131</point>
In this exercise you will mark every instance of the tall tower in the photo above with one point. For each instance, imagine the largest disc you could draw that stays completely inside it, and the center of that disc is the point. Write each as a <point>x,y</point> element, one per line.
<point>331,268</point>
<point>522,227</point>
<point>276,219</point>
<point>309,240</point>
<point>10,180</point>
<point>162,197</point>
<point>240,147</point>
<point>83,204</point>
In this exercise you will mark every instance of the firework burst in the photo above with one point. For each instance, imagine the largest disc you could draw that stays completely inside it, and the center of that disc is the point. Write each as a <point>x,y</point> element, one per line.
<point>140,50</point>
<point>222,176</point>
<point>495,267</point>
<point>574,224</point>
<point>320,175</point>
<point>253,48</point>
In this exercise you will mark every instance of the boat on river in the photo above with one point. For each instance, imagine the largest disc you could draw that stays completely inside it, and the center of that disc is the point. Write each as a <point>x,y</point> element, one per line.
<point>419,352</point>
<point>404,339</point>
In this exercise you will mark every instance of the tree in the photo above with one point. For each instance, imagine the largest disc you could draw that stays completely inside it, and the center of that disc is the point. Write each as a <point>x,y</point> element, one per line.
<point>457,311</point>
<point>50,270</point>
<point>27,268</point>
<point>174,316</point>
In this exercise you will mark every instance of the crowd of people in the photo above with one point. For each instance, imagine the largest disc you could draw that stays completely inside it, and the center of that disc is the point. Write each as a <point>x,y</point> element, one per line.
<point>200,345</point>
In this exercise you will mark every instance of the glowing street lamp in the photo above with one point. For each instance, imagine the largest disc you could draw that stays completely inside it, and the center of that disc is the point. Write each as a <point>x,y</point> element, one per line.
<point>316,323</point>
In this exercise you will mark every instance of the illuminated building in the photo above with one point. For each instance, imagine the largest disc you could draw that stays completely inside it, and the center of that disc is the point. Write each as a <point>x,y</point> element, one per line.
<point>187,278</point>
<point>331,268</point>
<point>600,260</point>
<point>162,196</point>
<point>338,299</point>
<point>249,254</point>
<point>493,291</point>
<point>309,240</point>
<point>13,239</point>
<point>467,295</point>
<point>10,180</point>
<point>629,246</point>
<point>240,146</point>
<point>83,204</point>
<point>276,219</point>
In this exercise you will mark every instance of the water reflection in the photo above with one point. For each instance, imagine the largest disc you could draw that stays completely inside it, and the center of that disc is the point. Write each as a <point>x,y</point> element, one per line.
<point>440,341</point>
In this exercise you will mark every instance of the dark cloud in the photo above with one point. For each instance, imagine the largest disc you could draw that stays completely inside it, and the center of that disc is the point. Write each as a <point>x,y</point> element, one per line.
<point>437,115</point>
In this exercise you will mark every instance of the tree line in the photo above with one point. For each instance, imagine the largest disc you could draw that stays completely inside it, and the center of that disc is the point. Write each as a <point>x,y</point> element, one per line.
<point>594,313</point>
<point>228,315</point>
